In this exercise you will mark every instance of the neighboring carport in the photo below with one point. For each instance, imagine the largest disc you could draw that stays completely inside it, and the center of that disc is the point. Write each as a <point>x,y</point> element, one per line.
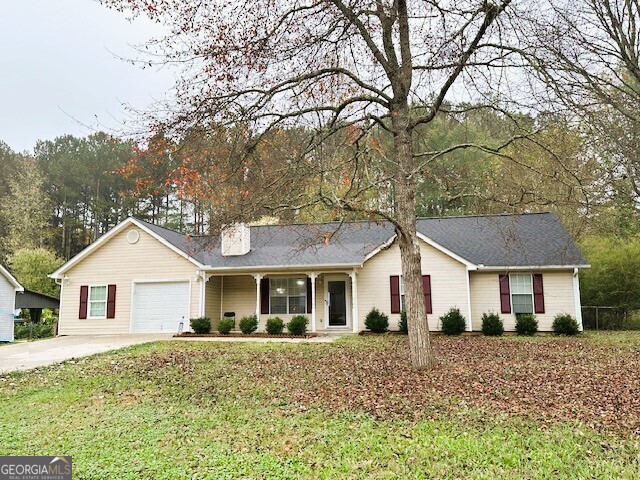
<point>35,302</point>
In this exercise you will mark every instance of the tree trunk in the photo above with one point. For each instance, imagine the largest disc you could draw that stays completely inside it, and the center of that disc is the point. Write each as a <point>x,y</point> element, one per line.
<point>419,339</point>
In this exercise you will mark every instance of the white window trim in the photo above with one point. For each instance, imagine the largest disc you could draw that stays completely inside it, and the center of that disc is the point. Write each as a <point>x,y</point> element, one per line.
<point>105,301</point>
<point>511,294</point>
<point>287,296</point>
<point>401,293</point>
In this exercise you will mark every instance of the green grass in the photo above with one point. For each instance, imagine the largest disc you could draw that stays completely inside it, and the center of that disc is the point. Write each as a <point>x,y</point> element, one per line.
<point>127,415</point>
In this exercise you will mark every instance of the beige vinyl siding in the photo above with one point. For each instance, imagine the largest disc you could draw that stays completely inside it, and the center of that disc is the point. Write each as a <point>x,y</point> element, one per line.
<point>558,298</point>
<point>212,306</point>
<point>119,262</point>
<point>321,322</point>
<point>239,295</point>
<point>448,284</point>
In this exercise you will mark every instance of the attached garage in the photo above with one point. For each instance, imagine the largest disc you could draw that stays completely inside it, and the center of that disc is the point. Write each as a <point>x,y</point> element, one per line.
<point>160,307</point>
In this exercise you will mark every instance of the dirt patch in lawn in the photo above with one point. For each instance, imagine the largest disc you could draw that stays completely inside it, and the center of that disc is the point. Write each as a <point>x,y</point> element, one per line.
<point>549,380</point>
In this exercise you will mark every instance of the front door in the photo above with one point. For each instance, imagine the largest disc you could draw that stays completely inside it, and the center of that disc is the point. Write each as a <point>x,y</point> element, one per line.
<point>337,303</point>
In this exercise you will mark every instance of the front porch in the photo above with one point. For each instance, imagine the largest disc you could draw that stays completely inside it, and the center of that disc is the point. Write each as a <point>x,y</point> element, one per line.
<point>329,299</point>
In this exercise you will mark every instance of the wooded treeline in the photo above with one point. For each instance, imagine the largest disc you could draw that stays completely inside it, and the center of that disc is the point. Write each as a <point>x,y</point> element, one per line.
<point>70,190</point>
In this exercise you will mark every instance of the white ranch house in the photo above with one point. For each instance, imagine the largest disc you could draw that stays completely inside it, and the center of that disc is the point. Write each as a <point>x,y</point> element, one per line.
<point>140,277</point>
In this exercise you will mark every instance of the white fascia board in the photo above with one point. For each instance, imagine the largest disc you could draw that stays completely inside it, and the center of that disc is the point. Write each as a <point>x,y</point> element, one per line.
<point>529,267</point>
<point>104,238</point>
<point>382,247</point>
<point>12,279</point>
<point>428,241</point>
<point>259,268</point>
<point>446,251</point>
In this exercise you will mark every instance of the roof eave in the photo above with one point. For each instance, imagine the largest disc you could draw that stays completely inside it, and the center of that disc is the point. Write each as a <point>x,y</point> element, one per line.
<point>501,268</point>
<point>262,268</point>
<point>12,279</point>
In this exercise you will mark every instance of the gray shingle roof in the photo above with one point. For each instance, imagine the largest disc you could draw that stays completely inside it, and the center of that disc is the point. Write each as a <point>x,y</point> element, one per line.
<point>538,239</point>
<point>535,239</point>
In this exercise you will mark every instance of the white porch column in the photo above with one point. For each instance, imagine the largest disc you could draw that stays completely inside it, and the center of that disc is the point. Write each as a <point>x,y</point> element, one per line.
<point>576,299</point>
<point>204,278</point>
<point>258,278</point>
<point>354,301</point>
<point>469,321</point>
<point>313,276</point>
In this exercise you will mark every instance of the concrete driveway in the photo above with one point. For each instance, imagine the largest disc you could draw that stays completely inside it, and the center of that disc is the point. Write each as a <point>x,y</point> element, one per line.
<point>27,355</point>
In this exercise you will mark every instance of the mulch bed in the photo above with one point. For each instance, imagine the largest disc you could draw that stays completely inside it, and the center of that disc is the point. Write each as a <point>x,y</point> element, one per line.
<point>550,380</point>
<point>242,335</point>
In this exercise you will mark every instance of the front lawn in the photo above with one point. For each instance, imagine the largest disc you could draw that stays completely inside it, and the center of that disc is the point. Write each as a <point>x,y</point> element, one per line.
<point>544,407</point>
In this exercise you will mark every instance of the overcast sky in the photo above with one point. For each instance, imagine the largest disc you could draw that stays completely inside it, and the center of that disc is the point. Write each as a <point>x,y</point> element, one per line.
<point>59,74</point>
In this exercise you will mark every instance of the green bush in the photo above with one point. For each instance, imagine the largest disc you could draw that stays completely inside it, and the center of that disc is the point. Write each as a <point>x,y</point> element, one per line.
<point>298,325</point>
<point>492,324</point>
<point>26,331</point>
<point>249,324</point>
<point>453,322</point>
<point>403,326</point>
<point>376,321</point>
<point>275,326</point>
<point>526,324</point>
<point>565,324</point>
<point>201,325</point>
<point>226,324</point>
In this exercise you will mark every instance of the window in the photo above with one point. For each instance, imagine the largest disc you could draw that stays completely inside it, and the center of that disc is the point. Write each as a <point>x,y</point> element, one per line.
<point>288,295</point>
<point>426,290</point>
<point>402,301</point>
<point>98,301</point>
<point>521,292</point>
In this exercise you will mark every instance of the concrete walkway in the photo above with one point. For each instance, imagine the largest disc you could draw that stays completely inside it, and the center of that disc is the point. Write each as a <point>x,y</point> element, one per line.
<point>28,355</point>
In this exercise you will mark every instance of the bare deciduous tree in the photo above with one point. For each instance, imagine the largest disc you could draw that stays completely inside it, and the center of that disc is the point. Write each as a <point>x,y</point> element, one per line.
<point>586,53</point>
<point>352,70</point>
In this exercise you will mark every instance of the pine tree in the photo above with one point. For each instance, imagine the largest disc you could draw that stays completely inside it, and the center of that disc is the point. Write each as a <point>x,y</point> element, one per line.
<point>25,209</point>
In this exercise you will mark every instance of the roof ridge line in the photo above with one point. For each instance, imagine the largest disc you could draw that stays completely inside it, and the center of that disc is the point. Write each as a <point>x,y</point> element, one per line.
<point>351,222</point>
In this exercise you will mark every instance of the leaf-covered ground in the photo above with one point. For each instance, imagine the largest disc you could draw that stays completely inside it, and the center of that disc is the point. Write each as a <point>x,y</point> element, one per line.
<point>545,407</point>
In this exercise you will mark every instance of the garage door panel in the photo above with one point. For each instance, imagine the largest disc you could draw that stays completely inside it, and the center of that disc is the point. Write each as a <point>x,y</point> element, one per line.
<point>159,307</point>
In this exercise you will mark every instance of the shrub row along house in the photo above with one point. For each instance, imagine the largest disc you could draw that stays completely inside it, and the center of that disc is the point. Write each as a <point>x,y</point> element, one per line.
<point>140,277</point>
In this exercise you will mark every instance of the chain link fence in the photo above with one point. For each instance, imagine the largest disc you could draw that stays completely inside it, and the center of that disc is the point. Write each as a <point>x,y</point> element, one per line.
<point>610,318</point>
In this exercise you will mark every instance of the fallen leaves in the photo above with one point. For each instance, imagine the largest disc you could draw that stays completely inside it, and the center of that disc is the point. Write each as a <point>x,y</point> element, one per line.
<point>547,380</point>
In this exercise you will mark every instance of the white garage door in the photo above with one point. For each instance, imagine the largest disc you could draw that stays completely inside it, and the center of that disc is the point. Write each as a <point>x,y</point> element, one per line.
<point>160,307</point>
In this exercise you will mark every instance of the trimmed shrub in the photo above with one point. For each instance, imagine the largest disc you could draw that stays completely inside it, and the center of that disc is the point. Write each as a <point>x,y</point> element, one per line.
<point>492,324</point>
<point>32,330</point>
<point>526,324</point>
<point>565,324</point>
<point>249,324</point>
<point>201,325</point>
<point>226,324</point>
<point>298,325</point>
<point>403,326</point>
<point>453,322</point>
<point>274,326</point>
<point>376,321</point>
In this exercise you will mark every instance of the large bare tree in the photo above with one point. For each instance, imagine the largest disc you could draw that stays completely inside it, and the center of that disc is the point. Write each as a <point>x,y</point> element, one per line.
<point>586,55</point>
<point>361,75</point>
